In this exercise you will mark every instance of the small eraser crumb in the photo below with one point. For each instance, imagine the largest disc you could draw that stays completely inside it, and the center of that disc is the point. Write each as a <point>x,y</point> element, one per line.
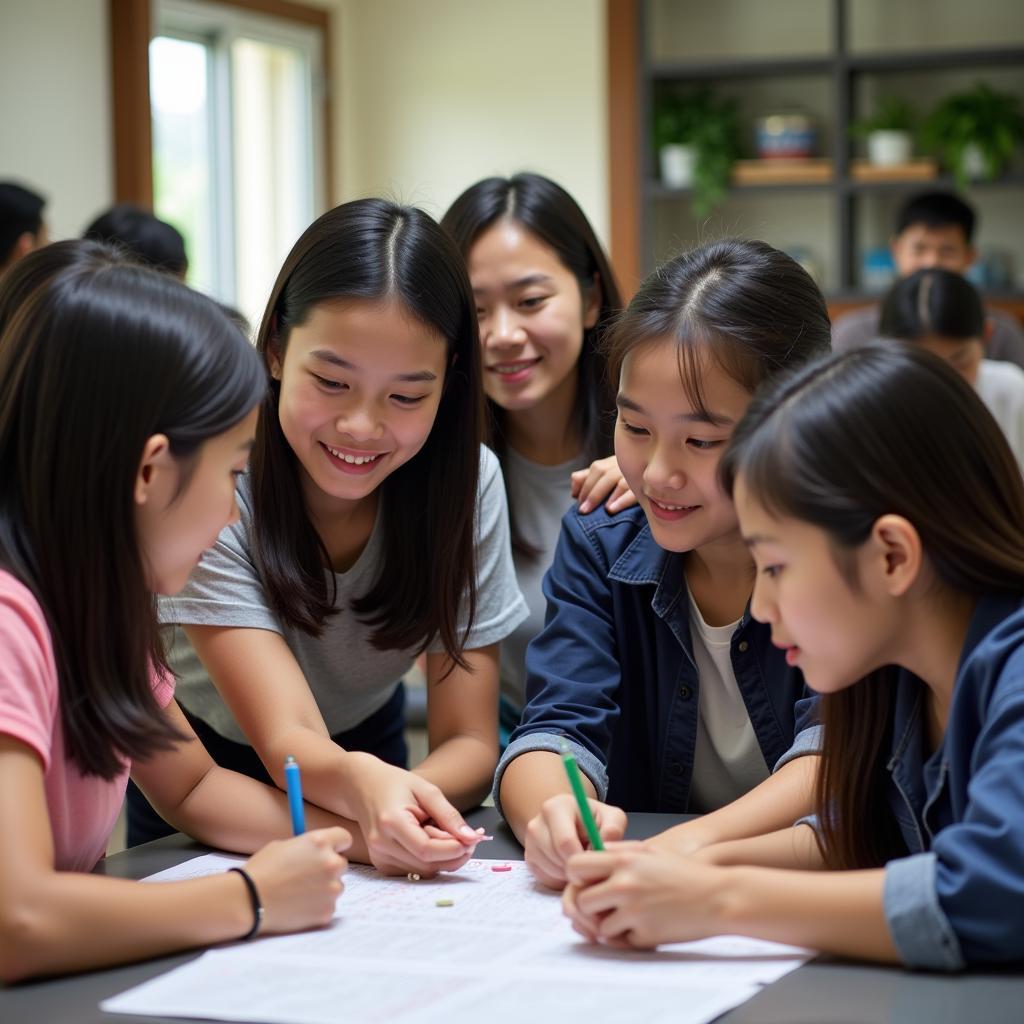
<point>501,867</point>
<point>444,903</point>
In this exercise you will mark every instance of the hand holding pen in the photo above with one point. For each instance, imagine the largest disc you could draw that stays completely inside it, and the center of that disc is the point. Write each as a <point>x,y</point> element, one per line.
<point>560,829</point>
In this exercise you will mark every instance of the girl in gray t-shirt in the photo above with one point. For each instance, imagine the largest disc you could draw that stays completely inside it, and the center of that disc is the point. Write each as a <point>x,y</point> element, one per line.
<point>372,527</point>
<point>545,293</point>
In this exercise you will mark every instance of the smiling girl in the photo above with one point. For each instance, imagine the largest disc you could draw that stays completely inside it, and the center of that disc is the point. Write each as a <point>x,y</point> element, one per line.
<point>650,667</point>
<point>373,528</point>
<point>883,507</point>
<point>545,295</point>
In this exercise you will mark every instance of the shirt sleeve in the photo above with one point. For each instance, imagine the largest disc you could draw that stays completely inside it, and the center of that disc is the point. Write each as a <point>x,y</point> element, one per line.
<point>572,666</point>
<point>225,589</point>
<point>500,606</point>
<point>971,884</point>
<point>807,730</point>
<point>28,673</point>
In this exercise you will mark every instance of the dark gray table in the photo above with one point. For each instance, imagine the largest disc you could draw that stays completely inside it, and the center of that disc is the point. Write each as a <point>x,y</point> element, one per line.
<point>823,992</point>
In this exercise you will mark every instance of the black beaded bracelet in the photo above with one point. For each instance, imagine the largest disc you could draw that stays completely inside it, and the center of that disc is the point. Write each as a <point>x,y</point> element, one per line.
<point>257,907</point>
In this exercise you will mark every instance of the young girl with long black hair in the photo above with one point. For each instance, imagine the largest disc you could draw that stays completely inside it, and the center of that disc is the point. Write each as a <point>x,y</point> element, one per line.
<point>373,528</point>
<point>545,296</point>
<point>127,408</point>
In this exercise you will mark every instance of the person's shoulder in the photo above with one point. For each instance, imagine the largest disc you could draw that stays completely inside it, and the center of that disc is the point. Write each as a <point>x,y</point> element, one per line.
<point>610,533</point>
<point>998,655</point>
<point>18,601</point>
<point>1002,371</point>
<point>1000,380</point>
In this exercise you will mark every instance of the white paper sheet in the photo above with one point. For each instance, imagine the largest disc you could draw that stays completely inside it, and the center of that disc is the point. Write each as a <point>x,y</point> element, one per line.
<point>502,949</point>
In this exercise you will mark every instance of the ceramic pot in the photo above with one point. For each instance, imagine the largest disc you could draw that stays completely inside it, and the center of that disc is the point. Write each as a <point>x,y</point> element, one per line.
<point>677,165</point>
<point>888,148</point>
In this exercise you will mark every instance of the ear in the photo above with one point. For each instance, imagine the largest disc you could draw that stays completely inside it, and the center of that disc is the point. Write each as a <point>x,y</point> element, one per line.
<point>592,303</point>
<point>155,466</point>
<point>972,255</point>
<point>897,554</point>
<point>274,361</point>
<point>990,328</point>
<point>24,245</point>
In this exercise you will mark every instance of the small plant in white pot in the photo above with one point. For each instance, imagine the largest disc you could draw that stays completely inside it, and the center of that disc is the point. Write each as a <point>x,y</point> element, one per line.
<point>976,132</point>
<point>889,132</point>
<point>696,137</point>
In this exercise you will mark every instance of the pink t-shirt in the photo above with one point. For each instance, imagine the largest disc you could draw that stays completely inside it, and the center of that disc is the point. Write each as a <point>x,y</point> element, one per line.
<point>82,808</point>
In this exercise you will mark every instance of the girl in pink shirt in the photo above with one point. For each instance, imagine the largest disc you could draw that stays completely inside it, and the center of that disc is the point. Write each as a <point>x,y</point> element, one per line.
<point>127,407</point>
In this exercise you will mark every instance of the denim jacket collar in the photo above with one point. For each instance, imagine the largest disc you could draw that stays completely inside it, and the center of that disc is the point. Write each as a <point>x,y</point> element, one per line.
<point>646,563</point>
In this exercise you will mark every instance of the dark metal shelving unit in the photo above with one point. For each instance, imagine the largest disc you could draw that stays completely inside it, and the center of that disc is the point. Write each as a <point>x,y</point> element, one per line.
<point>841,69</point>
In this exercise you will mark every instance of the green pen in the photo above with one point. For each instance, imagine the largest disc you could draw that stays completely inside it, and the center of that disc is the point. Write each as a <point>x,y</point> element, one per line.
<point>572,769</point>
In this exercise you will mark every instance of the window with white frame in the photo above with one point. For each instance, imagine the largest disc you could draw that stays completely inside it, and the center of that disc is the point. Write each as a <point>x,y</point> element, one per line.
<point>237,142</point>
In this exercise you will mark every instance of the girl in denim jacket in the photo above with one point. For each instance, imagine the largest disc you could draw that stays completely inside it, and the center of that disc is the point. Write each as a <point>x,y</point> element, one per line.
<point>649,667</point>
<point>884,510</point>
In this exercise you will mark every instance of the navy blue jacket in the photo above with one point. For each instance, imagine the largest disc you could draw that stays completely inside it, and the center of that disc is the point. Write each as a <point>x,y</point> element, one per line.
<point>958,899</point>
<point>613,674</point>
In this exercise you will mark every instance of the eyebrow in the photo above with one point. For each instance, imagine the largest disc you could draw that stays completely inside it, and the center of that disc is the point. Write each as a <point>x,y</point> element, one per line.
<point>522,282</point>
<point>716,419</point>
<point>327,356</point>
<point>759,538</point>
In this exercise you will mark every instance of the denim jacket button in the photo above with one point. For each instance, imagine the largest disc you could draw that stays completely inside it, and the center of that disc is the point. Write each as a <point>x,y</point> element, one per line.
<point>685,692</point>
<point>742,646</point>
<point>677,768</point>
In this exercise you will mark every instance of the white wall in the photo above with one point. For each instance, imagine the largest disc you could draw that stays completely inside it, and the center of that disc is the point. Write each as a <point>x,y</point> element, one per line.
<point>428,97</point>
<point>435,95</point>
<point>55,123</point>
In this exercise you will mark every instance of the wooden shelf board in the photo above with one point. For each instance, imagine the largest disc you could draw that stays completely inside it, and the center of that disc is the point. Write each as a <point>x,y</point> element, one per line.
<point>915,170</point>
<point>782,172</point>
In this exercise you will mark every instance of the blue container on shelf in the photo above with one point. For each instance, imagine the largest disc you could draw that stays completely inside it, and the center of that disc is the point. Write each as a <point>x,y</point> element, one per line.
<point>784,137</point>
<point>878,271</point>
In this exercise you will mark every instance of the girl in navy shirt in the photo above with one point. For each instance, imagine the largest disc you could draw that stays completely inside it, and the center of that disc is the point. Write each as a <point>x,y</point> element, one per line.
<point>883,507</point>
<point>649,666</point>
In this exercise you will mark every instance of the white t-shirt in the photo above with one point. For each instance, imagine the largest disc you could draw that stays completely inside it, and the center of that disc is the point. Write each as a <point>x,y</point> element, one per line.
<point>1001,387</point>
<point>347,675</point>
<point>538,496</point>
<point>727,760</point>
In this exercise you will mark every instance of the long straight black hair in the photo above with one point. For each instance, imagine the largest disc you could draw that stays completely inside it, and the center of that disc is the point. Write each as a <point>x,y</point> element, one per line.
<point>882,429</point>
<point>548,212</point>
<point>376,250</point>
<point>97,354</point>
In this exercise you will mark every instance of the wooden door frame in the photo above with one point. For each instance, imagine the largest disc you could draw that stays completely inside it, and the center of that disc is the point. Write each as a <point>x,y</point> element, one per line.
<point>622,24</point>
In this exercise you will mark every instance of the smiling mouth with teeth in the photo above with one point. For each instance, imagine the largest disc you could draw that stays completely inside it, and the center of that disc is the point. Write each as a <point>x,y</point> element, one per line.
<point>512,368</point>
<point>353,460</point>
<point>671,508</point>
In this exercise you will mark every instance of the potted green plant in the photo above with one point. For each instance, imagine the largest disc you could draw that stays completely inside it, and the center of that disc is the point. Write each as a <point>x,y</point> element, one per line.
<point>975,132</point>
<point>889,132</point>
<point>706,129</point>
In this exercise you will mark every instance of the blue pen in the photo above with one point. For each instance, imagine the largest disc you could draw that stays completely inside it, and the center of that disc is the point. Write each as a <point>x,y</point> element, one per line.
<point>294,784</point>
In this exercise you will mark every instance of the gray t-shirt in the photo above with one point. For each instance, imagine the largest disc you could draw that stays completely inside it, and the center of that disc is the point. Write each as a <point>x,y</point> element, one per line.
<point>539,496</point>
<point>349,678</point>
